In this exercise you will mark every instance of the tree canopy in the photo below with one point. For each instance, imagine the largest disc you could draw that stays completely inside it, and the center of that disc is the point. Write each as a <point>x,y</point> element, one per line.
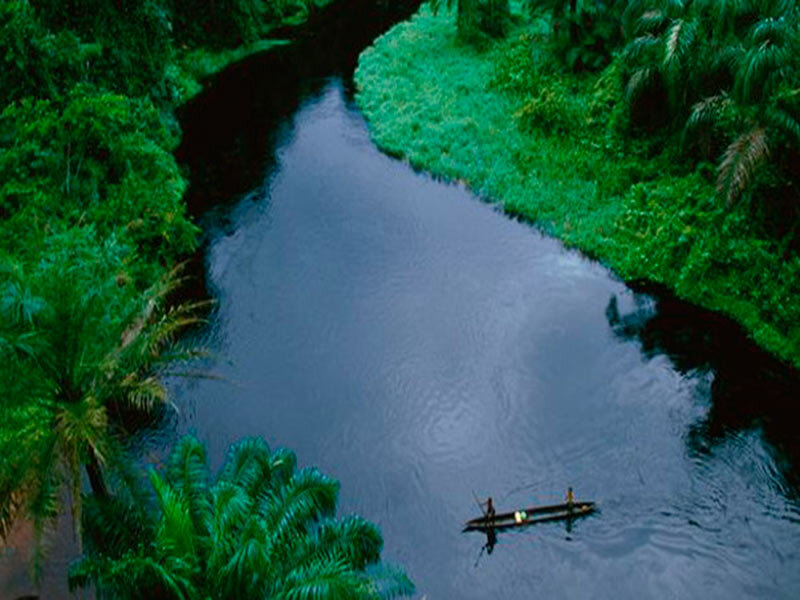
<point>261,529</point>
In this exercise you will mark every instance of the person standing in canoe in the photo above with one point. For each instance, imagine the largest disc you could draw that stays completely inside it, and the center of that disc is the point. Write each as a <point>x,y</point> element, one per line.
<point>490,512</point>
<point>570,499</point>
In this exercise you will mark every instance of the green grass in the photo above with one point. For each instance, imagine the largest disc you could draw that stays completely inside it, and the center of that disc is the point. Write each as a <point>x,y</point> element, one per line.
<point>516,129</point>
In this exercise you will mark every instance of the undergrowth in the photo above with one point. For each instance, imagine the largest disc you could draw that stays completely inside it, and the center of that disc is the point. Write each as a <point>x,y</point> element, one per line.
<point>513,126</point>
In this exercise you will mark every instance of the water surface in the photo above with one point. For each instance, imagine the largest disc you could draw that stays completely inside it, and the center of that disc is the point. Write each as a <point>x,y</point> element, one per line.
<point>424,349</point>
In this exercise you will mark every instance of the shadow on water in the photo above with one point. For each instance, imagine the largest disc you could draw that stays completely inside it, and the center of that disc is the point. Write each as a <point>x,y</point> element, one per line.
<point>750,390</point>
<point>231,130</point>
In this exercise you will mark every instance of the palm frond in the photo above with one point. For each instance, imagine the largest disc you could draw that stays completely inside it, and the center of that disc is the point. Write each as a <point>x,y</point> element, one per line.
<point>769,60</point>
<point>642,80</point>
<point>144,395</point>
<point>705,116</point>
<point>113,527</point>
<point>651,22</point>
<point>231,508</point>
<point>283,463</point>
<point>740,162</point>
<point>679,40</point>
<point>187,473</point>
<point>322,580</point>
<point>309,497</point>
<point>389,582</point>
<point>248,465</point>
<point>725,14</point>
<point>784,122</point>
<point>774,31</point>
<point>641,48</point>
<point>279,543</point>
<point>246,574</point>
<point>131,577</point>
<point>358,541</point>
<point>176,534</point>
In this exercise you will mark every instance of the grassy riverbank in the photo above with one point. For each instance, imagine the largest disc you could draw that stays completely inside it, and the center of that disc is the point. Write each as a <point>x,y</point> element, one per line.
<point>516,128</point>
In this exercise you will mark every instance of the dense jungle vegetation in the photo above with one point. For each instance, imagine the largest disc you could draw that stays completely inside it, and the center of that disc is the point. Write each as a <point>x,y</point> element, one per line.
<point>660,136</point>
<point>92,227</point>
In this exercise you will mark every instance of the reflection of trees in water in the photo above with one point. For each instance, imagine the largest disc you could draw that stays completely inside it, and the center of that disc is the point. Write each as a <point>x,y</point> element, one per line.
<point>232,130</point>
<point>749,388</point>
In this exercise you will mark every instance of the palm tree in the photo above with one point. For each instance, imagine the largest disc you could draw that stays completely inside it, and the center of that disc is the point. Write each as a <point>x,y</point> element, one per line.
<point>726,73</point>
<point>80,348</point>
<point>262,529</point>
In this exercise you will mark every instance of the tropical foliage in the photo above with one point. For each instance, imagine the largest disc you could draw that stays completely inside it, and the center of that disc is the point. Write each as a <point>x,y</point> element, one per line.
<point>728,75</point>
<point>478,19</point>
<point>92,224</point>
<point>584,33</point>
<point>80,353</point>
<point>568,151</point>
<point>261,529</point>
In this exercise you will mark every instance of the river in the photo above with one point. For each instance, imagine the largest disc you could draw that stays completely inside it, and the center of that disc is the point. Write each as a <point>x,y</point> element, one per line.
<point>423,348</point>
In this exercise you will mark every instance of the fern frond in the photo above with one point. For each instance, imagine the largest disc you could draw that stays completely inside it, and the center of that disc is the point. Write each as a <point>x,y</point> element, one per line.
<point>741,160</point>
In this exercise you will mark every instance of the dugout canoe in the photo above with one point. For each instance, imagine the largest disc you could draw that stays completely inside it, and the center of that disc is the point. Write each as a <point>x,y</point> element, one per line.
<point>535,514</point>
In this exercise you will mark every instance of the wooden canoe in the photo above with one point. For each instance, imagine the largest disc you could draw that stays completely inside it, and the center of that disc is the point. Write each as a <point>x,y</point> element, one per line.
<point>536,514</point>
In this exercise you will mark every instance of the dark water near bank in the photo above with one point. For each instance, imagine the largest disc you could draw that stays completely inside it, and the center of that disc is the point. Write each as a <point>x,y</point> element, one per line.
<point>421,347</point>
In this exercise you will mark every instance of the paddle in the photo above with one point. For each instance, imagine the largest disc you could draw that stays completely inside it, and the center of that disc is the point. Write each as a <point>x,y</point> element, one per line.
<point>478,502</point>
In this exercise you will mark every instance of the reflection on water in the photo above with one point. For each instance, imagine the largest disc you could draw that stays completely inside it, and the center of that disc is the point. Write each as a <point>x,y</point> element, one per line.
<point>750,392</point>
<point>424,349</point>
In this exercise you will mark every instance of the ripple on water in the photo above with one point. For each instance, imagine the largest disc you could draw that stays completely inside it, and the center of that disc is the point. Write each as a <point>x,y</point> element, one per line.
<point>422,349</point>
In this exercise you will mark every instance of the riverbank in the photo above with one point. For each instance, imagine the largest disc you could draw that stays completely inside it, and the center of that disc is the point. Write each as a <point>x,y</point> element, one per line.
<point>518,131</point>
<point>94,220</point>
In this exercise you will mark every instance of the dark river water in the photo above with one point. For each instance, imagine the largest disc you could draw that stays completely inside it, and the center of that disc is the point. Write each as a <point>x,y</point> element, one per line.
<point>423,348</point>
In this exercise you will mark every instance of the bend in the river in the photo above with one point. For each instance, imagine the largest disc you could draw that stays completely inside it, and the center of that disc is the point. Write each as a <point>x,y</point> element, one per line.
<point>422,347</point>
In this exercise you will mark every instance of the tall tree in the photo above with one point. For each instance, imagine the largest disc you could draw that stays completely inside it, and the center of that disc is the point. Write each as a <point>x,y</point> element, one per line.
<point>81,349</point>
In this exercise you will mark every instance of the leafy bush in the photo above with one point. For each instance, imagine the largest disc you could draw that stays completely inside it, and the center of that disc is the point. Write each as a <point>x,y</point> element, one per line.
<point>585,33</point>
<point>103,159</point>
<point>627,200</point>
<point>34,60</point>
